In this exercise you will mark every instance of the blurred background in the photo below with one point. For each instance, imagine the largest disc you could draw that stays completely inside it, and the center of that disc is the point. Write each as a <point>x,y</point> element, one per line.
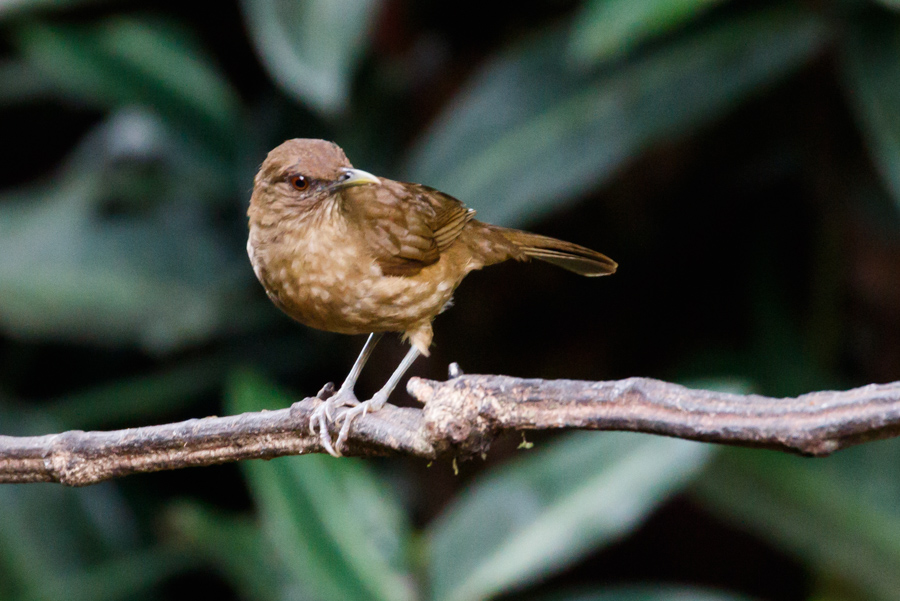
<point>739,159</point>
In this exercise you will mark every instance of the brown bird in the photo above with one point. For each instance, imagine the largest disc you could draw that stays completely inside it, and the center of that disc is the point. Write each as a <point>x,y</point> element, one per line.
<point>339,249</point>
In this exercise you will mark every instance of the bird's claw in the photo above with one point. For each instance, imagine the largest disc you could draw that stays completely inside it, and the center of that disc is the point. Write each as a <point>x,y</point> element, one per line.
<point>324,436</point>
<point>341,406</point>
<point>322,416</point>
<point>348,415</point>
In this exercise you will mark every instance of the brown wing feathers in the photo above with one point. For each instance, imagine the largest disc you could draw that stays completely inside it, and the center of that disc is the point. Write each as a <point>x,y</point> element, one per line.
<point>408,226</point>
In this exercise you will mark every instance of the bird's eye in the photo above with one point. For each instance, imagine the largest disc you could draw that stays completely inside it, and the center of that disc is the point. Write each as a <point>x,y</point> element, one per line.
<point>299,182</point>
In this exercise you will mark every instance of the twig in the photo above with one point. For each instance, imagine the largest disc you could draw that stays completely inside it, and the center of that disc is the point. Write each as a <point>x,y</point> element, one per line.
<point>462,416</point>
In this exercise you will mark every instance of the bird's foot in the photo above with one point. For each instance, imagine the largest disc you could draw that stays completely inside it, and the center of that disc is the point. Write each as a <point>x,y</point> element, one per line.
<point>348,415</point>
<point>326,413</point>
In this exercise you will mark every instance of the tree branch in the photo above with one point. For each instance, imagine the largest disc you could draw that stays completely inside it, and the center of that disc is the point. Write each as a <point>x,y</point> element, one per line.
<point>462,416</point>
<point>461,412</point>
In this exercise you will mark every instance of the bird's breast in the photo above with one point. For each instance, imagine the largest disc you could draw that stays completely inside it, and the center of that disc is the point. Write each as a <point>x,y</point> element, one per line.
<point>325,278</point>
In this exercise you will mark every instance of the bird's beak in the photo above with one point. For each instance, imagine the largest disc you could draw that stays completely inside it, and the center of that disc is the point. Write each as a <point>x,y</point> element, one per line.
<point>355,177</point>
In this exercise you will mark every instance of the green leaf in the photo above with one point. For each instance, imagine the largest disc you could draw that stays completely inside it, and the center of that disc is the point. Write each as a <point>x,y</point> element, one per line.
<point>21,83</point>
<point>872,82</point>
<point>17,7</point>
<point>606,29</point>
<point>239,550</point>
<point>122,577</point>
<point>544,511</point>
<point>892,4</point>
<point>560,134</point>
<point>159,275</point>
<point>642,593</point>
<point>46,534</point>
<point>311,47</point>
<point>124,61</point>
<point>332,521</point>
<point>840,514</point>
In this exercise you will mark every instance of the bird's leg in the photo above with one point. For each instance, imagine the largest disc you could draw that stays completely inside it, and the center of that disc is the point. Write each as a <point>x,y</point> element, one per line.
<point>344,397</point>
<point>377,401</point>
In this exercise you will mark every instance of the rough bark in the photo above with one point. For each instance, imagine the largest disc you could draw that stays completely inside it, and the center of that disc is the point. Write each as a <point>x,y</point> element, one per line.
<point>461,417</point>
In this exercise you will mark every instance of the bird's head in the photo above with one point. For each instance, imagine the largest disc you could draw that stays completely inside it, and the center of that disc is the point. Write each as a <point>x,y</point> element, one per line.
<point>301,173</point>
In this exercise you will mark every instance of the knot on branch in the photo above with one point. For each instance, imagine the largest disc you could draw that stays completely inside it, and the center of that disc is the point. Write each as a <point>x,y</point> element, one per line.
<point>457,415</point>
<point>62,457</point>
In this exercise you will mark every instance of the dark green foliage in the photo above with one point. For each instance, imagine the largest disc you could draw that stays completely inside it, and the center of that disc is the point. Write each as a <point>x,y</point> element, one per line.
<point>740,160</point>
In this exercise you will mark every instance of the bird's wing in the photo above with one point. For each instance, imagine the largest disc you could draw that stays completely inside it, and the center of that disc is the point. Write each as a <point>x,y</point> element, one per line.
<point>407,226</point>
<point>450,216</point>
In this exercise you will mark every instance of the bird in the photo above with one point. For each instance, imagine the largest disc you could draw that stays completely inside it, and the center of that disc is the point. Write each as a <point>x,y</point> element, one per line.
<point>339,249</point>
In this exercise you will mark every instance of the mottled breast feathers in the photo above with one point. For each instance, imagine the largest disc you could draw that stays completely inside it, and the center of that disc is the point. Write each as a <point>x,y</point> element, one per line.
<point>406,226</point>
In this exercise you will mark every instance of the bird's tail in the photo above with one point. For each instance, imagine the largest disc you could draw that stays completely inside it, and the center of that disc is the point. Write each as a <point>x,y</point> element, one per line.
<point>573,257</point>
